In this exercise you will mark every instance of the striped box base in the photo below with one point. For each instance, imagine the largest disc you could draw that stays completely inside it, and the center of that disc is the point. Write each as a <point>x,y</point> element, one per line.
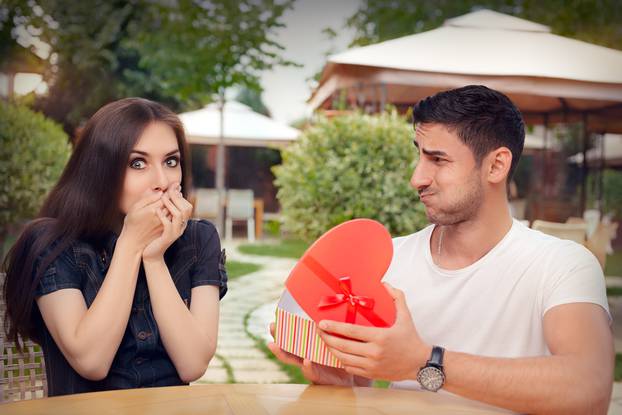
<point>298,335</point>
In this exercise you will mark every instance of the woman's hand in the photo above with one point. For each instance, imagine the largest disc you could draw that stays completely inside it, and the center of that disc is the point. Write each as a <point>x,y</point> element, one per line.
<point>142,224</point>
<point>173,216</point>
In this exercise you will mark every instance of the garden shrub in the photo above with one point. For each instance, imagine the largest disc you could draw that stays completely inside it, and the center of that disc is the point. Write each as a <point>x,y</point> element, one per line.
<point>353,166</point>
<point>33,153</point>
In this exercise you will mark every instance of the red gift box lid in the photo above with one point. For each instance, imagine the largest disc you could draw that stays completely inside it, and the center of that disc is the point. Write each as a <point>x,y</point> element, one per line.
<point>339,276</point>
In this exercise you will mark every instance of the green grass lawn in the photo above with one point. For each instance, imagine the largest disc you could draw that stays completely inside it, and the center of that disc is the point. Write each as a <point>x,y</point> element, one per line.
<point>236,269</point>
<point>613,266</point>
<point>287,248</point>
<point>614,291</point>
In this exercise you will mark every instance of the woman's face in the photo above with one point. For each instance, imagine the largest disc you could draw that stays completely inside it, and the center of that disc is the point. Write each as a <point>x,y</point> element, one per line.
<point>153,166</point>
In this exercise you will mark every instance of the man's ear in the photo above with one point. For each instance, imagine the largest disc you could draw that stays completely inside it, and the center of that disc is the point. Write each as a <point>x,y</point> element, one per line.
<point>498,164</point>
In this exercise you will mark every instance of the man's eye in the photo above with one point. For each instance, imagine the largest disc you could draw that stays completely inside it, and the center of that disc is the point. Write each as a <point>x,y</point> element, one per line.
<point>172,162</point>
<point>138,164</point>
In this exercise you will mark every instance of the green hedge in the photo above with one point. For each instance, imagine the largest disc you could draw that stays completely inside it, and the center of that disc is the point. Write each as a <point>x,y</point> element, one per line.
<point>355,166</point>
<point>33,153</point>
<point>612,191</point>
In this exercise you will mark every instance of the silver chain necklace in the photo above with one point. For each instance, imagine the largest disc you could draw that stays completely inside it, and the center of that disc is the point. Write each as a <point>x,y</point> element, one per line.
<point>440,241</point>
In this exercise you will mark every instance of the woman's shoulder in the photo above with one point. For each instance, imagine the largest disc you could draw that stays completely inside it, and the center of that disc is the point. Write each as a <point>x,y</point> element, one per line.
<point>49,243</point>
<point>44,239</point>
<point>50,251</point>
<point>201,225</point>
<point>199,232</point>
<point>199,239</point>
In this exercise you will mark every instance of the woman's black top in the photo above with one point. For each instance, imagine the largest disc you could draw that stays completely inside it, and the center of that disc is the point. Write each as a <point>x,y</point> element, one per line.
<point>141,361</point>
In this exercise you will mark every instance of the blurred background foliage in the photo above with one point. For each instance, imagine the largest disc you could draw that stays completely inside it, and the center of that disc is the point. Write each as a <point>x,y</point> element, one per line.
<point>180,53</point>
<point>33,153</point>
<point>353,166</point>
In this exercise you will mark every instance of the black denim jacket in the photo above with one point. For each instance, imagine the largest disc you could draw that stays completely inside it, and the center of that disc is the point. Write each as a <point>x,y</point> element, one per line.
<point>141,361</point>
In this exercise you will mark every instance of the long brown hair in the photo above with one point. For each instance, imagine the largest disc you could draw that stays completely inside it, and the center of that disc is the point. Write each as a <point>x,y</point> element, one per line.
<point>84,204</point>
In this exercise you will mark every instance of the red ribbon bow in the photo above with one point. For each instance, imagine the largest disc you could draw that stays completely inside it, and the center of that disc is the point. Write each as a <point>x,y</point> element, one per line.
<point>345,284</point>
<point>343,289</point>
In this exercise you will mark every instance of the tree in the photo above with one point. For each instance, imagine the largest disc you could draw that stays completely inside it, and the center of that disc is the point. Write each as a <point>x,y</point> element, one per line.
<point>355,166</point>
<point>179,52</point>
<point>88,63</point>
<point>197,49</point>
<point>15,58</point>
<point>253,99</point>
<point>594,21</point>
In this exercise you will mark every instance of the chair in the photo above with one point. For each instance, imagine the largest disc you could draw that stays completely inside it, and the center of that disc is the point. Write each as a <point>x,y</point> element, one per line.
<point>600,241</point>
<point>22,375</point>
<point>592,218</point>
<point>575,220</point>
<point>206,203</point>
<point>572,231</point>
<point>240,207</point>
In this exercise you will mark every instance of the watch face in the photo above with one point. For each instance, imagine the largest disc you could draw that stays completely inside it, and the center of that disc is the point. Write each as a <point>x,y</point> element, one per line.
<point>431,378</point>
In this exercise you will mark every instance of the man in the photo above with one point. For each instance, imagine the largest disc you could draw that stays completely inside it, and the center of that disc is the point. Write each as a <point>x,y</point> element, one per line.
<point>486,308</point>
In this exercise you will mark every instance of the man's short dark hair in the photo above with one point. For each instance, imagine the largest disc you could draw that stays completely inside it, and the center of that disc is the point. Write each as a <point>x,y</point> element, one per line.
<point>483,118</point>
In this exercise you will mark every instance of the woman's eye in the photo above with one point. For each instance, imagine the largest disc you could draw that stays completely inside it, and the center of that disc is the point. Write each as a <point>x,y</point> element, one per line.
<point>172,162</point>
<point>138,164</point>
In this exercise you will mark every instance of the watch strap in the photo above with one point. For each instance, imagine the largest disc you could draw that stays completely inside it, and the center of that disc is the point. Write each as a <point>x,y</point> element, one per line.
<point>436,357</point>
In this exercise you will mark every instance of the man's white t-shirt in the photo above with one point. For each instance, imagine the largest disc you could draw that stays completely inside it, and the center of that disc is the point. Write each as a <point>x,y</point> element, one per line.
<point>495,306</point>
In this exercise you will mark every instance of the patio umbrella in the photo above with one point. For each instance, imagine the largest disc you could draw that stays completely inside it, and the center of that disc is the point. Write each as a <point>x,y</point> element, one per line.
<point>233,124</point>
<point>550,78</point>
<point>241,127</point>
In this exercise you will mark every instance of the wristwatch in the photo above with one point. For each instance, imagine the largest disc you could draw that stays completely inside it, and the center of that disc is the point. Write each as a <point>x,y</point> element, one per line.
<point>431,376</point>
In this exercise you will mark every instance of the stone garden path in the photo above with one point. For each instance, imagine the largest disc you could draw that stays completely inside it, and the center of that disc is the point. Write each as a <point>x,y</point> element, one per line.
<point>248,306</point>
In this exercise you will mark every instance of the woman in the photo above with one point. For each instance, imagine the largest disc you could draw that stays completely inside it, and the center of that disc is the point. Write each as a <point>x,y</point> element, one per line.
<point>113,280</point>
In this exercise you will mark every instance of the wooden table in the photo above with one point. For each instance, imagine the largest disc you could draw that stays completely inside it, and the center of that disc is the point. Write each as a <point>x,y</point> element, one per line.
<point>245,399</point>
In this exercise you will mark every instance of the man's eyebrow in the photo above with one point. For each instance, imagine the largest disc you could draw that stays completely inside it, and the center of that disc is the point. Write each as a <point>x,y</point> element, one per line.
<point>143,153</point>
<point>431,153</point>
<point>434,153</point>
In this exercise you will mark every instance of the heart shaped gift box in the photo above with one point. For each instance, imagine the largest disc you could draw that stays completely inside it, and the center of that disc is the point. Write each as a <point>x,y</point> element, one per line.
<point>338,278</point>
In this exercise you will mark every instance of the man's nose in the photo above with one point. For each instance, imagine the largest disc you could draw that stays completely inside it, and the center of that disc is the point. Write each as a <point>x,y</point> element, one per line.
<point>421,177</point>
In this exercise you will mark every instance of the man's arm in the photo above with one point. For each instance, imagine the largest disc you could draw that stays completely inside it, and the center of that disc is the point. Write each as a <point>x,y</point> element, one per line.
<point>577,378</point>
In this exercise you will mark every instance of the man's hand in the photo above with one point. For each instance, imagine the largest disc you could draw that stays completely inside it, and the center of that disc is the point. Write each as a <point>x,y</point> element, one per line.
<point>393,353</point>
<point>317,374</point>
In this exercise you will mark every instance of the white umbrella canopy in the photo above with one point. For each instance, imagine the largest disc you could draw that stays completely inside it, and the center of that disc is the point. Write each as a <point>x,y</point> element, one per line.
<point>242,127</point>
<point>537,142</point>
<point>541,72</point>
